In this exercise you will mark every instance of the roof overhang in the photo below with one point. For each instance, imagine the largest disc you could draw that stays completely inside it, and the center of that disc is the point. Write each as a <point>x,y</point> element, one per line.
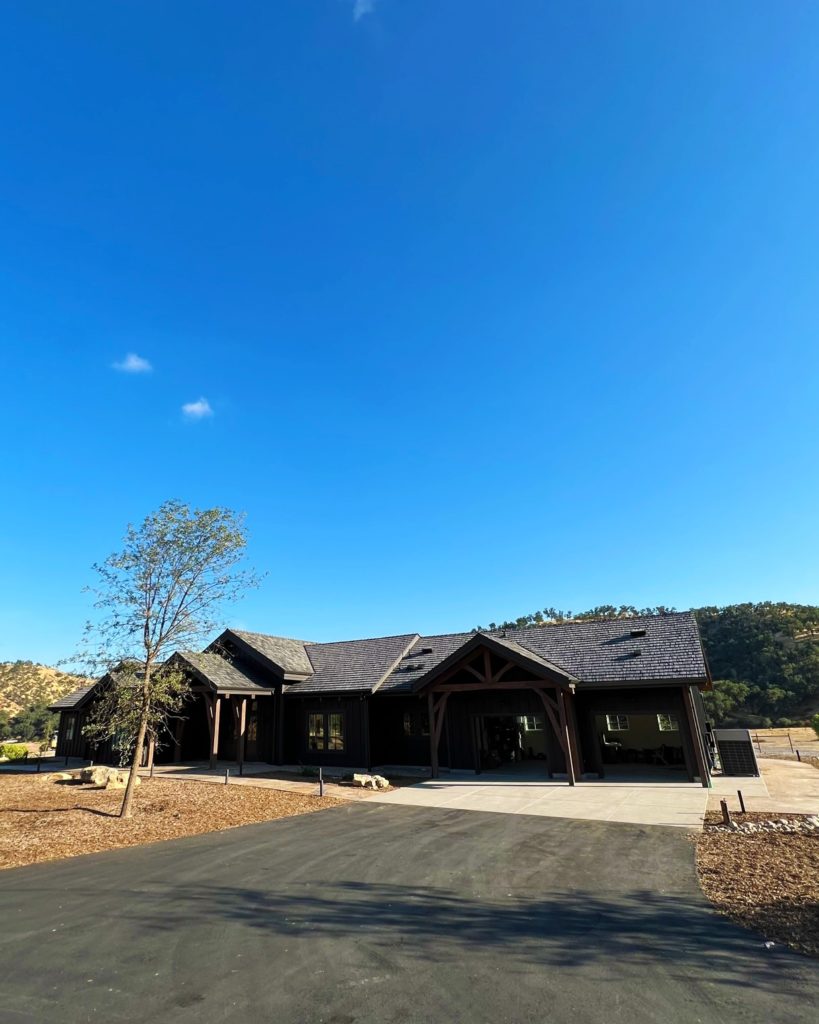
<point>513,654</point>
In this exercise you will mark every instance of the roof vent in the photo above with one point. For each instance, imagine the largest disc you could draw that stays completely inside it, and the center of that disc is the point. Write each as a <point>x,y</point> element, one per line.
<point>638,632</point>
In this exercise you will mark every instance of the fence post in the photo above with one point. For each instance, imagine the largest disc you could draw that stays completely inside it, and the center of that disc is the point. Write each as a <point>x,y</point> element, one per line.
<point>726,814</point>
<point>741,801</point>
<point>227,775</point>
<point>790,740</point>
<point>321,783</point>
<point>798,757</point>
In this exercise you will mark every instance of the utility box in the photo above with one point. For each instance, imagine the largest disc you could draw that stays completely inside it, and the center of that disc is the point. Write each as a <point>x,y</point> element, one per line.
<point>736,752</point>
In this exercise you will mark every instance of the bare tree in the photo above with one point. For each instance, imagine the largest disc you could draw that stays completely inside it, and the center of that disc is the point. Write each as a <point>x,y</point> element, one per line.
<point>162,592</point>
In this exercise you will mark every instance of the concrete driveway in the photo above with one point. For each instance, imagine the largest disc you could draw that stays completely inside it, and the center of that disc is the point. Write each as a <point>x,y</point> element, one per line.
<point>612,799</point>
<point>371,913</point>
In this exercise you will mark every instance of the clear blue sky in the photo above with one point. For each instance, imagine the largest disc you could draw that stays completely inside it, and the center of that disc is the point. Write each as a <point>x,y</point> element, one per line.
<point>491,305</point>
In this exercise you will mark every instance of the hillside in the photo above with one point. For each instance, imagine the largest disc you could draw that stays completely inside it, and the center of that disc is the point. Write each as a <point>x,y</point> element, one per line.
<point>23,683</point>
<point>764,658</point>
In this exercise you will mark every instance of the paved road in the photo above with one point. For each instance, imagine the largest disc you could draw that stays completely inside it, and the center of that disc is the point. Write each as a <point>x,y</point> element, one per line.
<point>372,913</point>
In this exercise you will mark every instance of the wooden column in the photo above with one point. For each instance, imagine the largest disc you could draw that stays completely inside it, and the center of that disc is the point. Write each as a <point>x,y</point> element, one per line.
<point>278,754</point>
<point>177,739</point>
<point>571,714</point>
<point>215,711</point>
<point>242,724</point>
<point>696,738</point>
<point>365,733</point>
<point>567,742</point>
<point>433,746</point>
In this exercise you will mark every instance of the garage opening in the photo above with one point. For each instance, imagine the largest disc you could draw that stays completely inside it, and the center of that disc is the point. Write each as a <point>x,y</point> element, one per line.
<point>511,743</point>
<point>649,746</point>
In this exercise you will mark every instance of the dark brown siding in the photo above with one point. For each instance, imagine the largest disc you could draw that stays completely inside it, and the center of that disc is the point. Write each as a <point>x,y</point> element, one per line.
<point>354,709</point>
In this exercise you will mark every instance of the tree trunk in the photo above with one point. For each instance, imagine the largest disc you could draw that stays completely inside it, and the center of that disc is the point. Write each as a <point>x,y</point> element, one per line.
<point>127,800</point>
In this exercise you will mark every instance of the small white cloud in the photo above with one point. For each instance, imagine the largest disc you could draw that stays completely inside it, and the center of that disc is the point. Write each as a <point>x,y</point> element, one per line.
<point>133,363</point>
<point>198,410</point>
<point>362,7</point>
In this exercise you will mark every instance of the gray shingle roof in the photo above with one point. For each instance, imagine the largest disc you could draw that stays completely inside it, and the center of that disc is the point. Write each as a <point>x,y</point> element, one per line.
<point>222,675</point>
<point>593,652</point>
<point>71,700</point>
<point>352,665</point>
<point>289,655</point>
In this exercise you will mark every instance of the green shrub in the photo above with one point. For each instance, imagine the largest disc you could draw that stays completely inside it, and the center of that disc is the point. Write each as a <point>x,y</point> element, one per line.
<point>814,724</point>
<point>14,751</point>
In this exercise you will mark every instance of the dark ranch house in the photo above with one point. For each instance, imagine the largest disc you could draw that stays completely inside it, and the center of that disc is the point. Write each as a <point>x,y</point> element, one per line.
<point>571,700</point>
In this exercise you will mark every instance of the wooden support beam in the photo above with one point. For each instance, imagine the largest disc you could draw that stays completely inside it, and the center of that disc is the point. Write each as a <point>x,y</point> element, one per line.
<point>696,738</point>
<point>215,717</point>
<point>433,747</point>
<point>571,716</point>
<point>242,717</point>
<point>475,673</point>
<point>567,745</point>
<point>487,665</point>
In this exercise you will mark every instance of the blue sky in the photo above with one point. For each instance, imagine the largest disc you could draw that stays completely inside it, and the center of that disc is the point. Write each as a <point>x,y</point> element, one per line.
<point>490,306</point>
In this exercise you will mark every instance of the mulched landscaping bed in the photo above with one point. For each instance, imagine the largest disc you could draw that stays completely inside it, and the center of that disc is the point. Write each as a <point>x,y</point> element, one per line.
<point>765,880</point>
<point>44,820</point>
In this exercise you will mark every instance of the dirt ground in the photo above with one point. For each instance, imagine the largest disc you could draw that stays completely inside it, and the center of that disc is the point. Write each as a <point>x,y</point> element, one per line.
<point>766,881</point>
<point>785,742</point>
<point>43,820</point>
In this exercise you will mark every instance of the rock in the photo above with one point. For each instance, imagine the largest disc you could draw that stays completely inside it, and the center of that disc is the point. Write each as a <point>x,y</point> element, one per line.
<point>381,782</point>
<point>365,781</point>
<point>103,777</point>
<point>58,777</point>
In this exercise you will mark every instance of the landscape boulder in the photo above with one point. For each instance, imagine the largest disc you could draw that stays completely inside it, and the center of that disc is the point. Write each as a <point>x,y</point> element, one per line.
<point>370,781</point>
<point>103,777</point>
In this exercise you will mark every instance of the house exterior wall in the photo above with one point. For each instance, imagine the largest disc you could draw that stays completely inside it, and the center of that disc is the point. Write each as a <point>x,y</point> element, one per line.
<point>355,712</point>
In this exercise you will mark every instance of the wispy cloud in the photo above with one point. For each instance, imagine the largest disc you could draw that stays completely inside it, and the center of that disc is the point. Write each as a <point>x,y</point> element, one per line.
<point>362,7</point>
<point>198,410</point>
<point>133,363</point>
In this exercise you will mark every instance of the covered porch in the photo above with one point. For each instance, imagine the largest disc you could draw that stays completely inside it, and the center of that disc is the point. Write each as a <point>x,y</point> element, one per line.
<point>478,682</point>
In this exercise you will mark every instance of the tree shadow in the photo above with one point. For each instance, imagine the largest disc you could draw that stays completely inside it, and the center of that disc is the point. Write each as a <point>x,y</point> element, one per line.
<point>635,931</point>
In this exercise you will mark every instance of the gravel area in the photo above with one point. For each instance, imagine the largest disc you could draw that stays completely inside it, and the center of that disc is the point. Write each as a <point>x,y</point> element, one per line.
<point>767,879</point>
<point>43,820</point>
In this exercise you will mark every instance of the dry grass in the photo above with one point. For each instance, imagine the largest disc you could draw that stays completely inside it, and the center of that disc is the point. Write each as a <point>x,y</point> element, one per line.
<point>765,881</point>
<point>42,820</point>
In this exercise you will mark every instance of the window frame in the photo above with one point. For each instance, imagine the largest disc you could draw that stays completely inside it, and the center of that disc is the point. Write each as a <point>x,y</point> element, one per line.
<point>618,719</point>
<point>674,723</point>
<point>538,726</point>
<point>319,741</point>
<point>70,727</point>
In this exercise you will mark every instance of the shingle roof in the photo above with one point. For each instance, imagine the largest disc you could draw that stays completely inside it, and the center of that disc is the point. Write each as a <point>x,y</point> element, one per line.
<point>222,675</point>
<point>352,665</point>
<point>593,652</point>
<point>71,700</point>
<point>287,654</point>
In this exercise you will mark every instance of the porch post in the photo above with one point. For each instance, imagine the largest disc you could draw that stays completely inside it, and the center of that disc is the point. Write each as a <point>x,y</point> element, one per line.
<point>242,728</point>
<point>573,732</point>
<point>696,738</point>
<point>278,753</point>
<point>215,714</point>
<point>177,740</point>
<point>433,741</point>
<point>567,740</point>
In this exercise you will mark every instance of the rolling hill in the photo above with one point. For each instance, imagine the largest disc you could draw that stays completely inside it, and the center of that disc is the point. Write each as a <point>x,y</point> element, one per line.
<point>23,683</point>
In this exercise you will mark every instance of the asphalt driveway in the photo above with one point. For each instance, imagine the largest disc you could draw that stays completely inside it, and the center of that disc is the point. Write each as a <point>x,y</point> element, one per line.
<point>377,913</point>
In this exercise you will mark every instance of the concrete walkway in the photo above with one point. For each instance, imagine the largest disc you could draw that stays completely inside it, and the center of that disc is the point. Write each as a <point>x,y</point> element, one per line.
<point>680,804</point>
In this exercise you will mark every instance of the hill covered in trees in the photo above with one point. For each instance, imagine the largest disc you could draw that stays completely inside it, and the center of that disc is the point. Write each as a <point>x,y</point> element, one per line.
<point>24,684</point>
<point>764,658</point>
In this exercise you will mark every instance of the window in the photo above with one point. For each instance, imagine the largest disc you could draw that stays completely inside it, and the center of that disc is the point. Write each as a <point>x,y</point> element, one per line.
<point>325,731</point>
<point>335,732</point>
<point>416,723</point>
<point>532,723</point>
<point>315,732</point>
<point>252,730</point>
<point>69,727</point>
<point>617,723</point>
<point>667,723</point>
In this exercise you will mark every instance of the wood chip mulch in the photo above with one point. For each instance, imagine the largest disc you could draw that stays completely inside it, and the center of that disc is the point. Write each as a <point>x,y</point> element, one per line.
<point>43,820</point>
<point>767,881</point>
